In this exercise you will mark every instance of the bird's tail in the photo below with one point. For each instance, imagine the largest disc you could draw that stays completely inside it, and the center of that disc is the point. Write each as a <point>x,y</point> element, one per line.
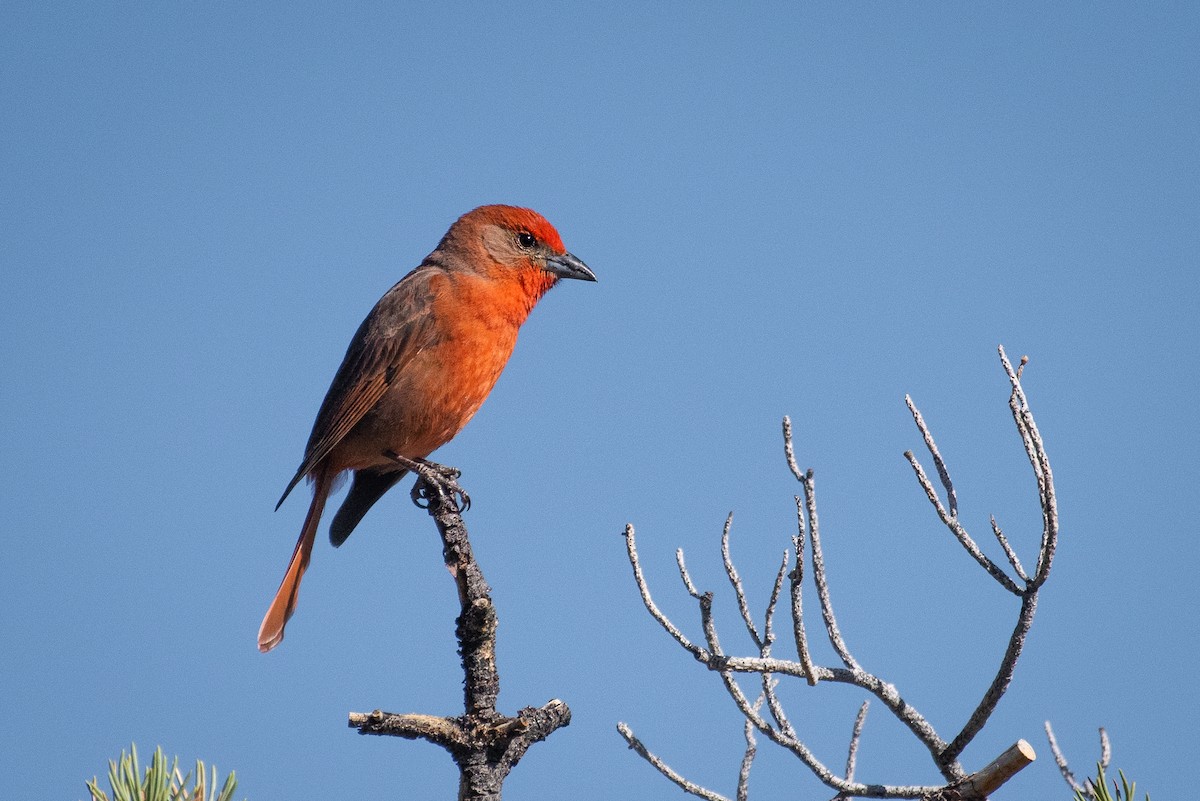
<point>270,633</point>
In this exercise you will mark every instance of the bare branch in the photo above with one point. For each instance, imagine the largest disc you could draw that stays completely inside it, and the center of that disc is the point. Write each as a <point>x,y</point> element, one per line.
<point>797,589</point>
<point>688,787</point>
<point>855,735</point>
<point>957,529</point>
<point>1009,552</point>
<point>640,579</point>
<point>1035,449</point>
<point>781,735</point>
<point>736,582</point>
<point>784,735</point>
<point>995,691</point>
<point>743,785</point>
<point>789,451</point>
<point>772,602</point>
<point>905,712</point>
<point>1065,769</point>
<point>822,773</point>
<point>819,577</point>
<point>717,661</point>
<point>1061,760</point>
<point>775,706</point>
<point>684,576</point>
<point>1032,441</point>
<point>938,462</point>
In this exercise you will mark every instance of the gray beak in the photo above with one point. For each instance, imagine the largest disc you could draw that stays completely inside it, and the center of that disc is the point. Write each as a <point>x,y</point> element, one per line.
<point>568,266</point>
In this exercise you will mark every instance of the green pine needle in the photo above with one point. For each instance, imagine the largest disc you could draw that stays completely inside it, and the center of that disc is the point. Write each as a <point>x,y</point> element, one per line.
<point>160,783</point>
<point>1097,789</point>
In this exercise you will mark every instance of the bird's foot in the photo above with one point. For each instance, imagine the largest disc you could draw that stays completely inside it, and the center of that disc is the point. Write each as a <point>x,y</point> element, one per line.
<point>433,478</point>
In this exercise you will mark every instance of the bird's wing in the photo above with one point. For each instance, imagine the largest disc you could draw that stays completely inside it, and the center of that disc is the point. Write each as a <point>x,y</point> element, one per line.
<point>397,329</point>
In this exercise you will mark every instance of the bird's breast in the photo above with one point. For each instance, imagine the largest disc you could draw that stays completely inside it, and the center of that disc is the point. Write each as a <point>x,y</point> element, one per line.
<point>435,394</point>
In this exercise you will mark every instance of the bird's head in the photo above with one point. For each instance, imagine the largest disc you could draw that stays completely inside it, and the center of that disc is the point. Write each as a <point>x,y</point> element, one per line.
<point>509,241</point>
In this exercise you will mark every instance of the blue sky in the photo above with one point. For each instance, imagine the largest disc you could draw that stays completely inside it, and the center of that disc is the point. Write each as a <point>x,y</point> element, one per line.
<point>792,209</point>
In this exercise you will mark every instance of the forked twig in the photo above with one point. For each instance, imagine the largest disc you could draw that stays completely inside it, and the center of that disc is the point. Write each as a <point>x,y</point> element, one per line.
<point>1065,769</point>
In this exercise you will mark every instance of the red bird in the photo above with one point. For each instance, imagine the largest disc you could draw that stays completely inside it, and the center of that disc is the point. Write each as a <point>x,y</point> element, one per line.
<point>419,367</point>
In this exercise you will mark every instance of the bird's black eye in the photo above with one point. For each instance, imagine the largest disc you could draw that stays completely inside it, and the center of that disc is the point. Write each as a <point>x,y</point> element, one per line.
<point>526,239</point>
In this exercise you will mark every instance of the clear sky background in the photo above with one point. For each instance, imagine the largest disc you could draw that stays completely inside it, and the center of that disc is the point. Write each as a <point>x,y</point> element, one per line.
<point>793,209</point>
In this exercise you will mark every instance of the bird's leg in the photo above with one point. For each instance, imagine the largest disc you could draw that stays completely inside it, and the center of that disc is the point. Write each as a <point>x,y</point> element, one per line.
<point>431,474</point>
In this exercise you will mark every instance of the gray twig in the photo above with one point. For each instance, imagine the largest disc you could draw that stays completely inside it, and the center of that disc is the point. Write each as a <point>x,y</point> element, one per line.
<point>819,575</point>
<point>684,576</point>
<point>938,462</point>
<point>743,785</point>
<point>1009,552</point>
<point>1059,759</point>
<point>772,603</point>
<point>662,767</point>
<point>1065,769</point>
<point>950,517</point>
<point>735,581</point>
<point>1035,449</point>
<point>855,736</point>
<point>797,595</point>
<point>644,589</point>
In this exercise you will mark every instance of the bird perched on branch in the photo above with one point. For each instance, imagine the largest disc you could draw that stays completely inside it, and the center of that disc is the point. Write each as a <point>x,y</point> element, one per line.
<point>419,367</point>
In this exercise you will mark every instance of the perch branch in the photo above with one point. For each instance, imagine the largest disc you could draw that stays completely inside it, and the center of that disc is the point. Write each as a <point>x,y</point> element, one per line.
<point>484,743</point>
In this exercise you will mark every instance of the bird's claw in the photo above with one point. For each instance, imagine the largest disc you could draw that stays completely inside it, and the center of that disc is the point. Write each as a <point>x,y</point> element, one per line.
<point>433,477</point>
<point>427,484</point>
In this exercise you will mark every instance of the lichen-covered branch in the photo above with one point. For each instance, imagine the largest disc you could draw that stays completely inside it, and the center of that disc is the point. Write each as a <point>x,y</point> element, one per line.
<point>484,743</point>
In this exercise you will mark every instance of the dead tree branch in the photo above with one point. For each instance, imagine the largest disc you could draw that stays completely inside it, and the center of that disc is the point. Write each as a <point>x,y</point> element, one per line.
<point>1065,769</point>
<point>688,787</point>
<point>484,743</point>
<point>806,546</point>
